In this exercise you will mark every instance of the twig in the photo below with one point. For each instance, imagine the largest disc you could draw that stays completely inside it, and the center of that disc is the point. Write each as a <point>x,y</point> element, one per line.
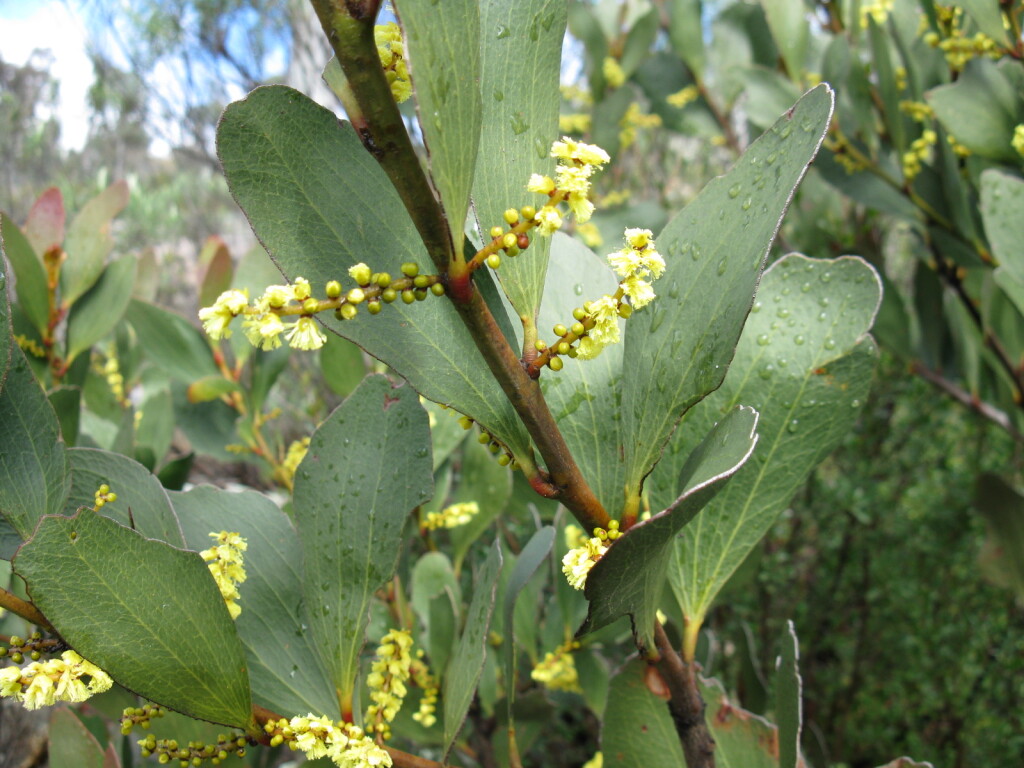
<point>25,609</point>
<point>686,705</point>
<point>980,407</point>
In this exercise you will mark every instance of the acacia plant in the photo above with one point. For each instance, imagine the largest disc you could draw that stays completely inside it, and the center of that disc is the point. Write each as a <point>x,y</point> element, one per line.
<point>671,397</point>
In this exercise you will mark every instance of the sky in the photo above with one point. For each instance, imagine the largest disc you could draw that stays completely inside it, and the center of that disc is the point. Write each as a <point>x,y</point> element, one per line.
<point>28,25</point>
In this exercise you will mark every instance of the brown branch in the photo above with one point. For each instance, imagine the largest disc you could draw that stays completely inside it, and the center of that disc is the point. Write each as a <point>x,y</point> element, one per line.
<point>25,609</point>
<point>964,397</point>
<point>686,705</point>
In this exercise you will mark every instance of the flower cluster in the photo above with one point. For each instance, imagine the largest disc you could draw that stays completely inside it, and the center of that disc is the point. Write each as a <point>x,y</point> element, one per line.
<point>387,679</point>
<point>285,472</point>
<point>194,752</point>
<point>103,496</point>
<point>428,684</point>
<point>920,151</point>
<point>953,40</point>
<point>557,671</point>
<point>612,71</point>
<point>344,743</point>
<point>633,120</point>
<point>878,10</point>
<point>42,683</point>
<point>391,50</point>
<point>140,716</point>
<point>451,516</point>
<point>578,561</point>
<point>844,153</point>
<point>577,162</point>
<point>683,97</point>
<point>225,563</point>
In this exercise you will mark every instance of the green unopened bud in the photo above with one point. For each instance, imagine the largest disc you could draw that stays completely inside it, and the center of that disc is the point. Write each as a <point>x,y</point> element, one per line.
<point>493,448</point>
<point>528,212</point>
<point>437,289</point>
<point>578,329</point>
<point>504,460</point>
<point>497,232</point>
<point>420,294</point>
<point>511,216</point>
<point>563,347</point>
<point>104,489</point>
<point>555,363</point>
<point>361,274</point>
<point>421,281</point>
<point>573,352</point>
<point>559,330</point>
<point>373,307</point>
<point>388,295</point>
<point>579,313</point>
<point>625,311</point>
<point>310,306</point>
<point>333,289</point>
<point>355,296</point>
<point>410,269</point>
<point>408,297</point>
<point>483,438</point>
<point>348,311</point>
<point>383,279</point>
<point>513,251</point>
<point>540,345</point>
<point>494,261</point>
<point>509,241</point>
<point>111,497</point>
<point>465,422</point>
<point>36,655</point>
<point>17,658</point>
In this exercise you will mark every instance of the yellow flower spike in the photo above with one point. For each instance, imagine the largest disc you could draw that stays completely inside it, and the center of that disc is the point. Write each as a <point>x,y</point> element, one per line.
<point>557,671</point>
<point>387,678</point>
<point>224,560</point>
<point>579,152</point>
<point>612,71</point>
<point>43,683</point>
<point>452,516</point>
<point>580,559</point>
<point>681,98</point>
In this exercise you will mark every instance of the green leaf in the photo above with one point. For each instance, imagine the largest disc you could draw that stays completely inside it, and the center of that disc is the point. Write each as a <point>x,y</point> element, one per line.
<point>988,16</point>
<point>89,241</point>
<point>367,466</point>
<point>446,433</point>
<point>461,681</point>
<point>805,362</point>
<point>101,307</point>
<point>742,739</point>
<point>44,226</point>
<point>678,349</point>
<point>906,762</point>
<point>283,153</point>
<point>141,502</point>
<point>433,585</point>
<point>156,425</point>
<point>629,577</point>
<point>148,614</point>
<point>171,342</point>
<point>29,275</point>
<point>790,30</point>
<point>70,743</point>
<point>887,88</point>
<point>67,405</point>
<point>1002,210</point>
<point>487,483</point>
<point>448,97</point>
<point>6,339</point>
<point>285,668</point>
<point>980,109</point>
<point>585,396</point>
<point>529,560</point>
<point>521,53</point>
<point>342,364</point>
<point>1002,557</point>
<point>788,708</point>
<point>34,472</point>
<point>210,388</point>
<point>686,32</point>
<point>637,729</point>
<point>220,270</point>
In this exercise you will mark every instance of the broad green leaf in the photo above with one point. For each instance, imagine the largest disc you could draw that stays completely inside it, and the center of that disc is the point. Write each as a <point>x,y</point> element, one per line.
<point>529,560</point>
<point>342,364</point>
<point>101,307</point>
<point>34,472</point>
<point>448,96</point>
<point>641,36</point>
<point>171,342</point>
<point>435,586</point>
<point>1002,557</point>
<point>686,32</point>
<point>320,203</point>
<point>29,275</point>
<point>70,743</point>
<point>367,467</point>
<point>155,429</point>
<point>1002,210</point>
<point>211,388</point>
<point>629,577</point>
<point>742,739</point>
<point>44,227</point>
<point>788,23</point>
<point>446,433</point>
<point>89,241</point>
<point>584,26</point>
<point>678,349</point>
<point>67,405</point>
<point>988,16</point>
<point>637,729</point>
<point>461,681</point>
<point>768,92</point>
<point>6,339</point>
<point>220,270</point>
<point>141,502</point>
<point>585,396</point>
<point>148,614</point>
<point>980,109</point>
<point>521,52</point>
<point>487,483</point>
<point>805,362</point>
<point>788,706</point>
<point>887,88</point>
<point>285,668</point>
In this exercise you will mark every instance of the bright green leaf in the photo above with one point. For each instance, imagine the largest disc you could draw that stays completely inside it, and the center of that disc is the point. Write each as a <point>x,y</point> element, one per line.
<point>521,49</point>
<point>367,467</point>
<point>448,96</point>
<point>89,241</point>
<point>112,594</point>
<point>487,483</point>
<point>67,405</point>
<point>34,472</point>
<point>1002,557</point>
<point>637,727</point>
<point>628,579</point>
<point>342,364</point>
<point>679,348</point>
<point>788,23</point>
<point>280,152</point>
<point>285,668</point>
<point>805,362</point>
<point>988,16</point>
<point>29,275</point>
<point>100,308</point>
<point>461,681</point>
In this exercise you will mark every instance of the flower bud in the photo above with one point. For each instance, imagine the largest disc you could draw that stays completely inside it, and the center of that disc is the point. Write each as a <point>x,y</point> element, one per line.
<point>509,240</point>
<point>504,460</point>
<point>555,363</point>
<point>355,296</point>
<point>437,289</point>
<point>410,269</point>
<point>348,311</point>
<point>528,212</point>
<point>511,216</point>
<point>383,279</point>
<point>388,295</point>
<point>578,329</point>
<point>559,330</point>
<point>333,289</point>
<point>563,347</point>
<point>497,232</point>
<point>408,297</point>
<point>373,307</point>
<point>494,261</point>
<point>420,294</point>
<point>361,274</point>
<point>540,345</point>
<point>523,241</point>
<point>625,311</point>
<point>579,313</point>
<point>421,281</point>
<point>310,306</point>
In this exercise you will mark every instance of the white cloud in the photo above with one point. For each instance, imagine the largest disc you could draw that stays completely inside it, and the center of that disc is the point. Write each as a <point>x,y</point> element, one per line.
<point>53,25</point>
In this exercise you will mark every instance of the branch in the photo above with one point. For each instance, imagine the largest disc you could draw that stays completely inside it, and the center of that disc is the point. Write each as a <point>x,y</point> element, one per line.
<point>980,407</point>
<point>686,705</point>
<point>25,609</point>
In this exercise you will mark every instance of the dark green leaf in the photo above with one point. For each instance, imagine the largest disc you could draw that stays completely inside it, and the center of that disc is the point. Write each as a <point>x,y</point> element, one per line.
<point>280,152</point>
<point>285,668</point>
<point>678,349</point>
<point>155,429</point>
<point>67,404</point>
<point>89,241</point>
<point>521,47</point>
<point>461,681</point>
<point>1002,209</point>
<point>788,707</point>
<point>742,739</point>
<point>1002,558</point>
<point>790,30</point>
<point>637,729</point>
<point>686,31</point>
<point>148,614</point>
<point>70,744</point>
<point>100,308</point>
<point>628,579</point>
<point>29,275</point>
<point>6,338</point>
<point>34,472</point>
<point>171,342</point>
<point>487,483</point>
<point>448,96</point>
<point>367,466</point>
<point>342,364</point>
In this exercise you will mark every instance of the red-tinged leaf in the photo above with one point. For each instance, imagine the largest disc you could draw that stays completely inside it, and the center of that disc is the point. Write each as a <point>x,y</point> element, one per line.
<point>44,227</point>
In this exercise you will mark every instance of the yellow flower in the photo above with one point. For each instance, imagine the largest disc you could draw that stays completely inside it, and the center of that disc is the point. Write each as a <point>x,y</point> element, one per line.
<point>574,123</point>
<point>639,291</point>
<point>590,235</point>
<point>42,683</point>
<point>428,684</point>
<point>224,560</point>
<point>452,516</point>
<point>681,98</point>
<point>613,74</point>
<point>578,561</point>
<point>877,9</point>
<point>305,334</point>
<point>579,152</point>
<point>548,220</point>
<point>264,331</point>
<point>217,317</point>
<point>557,672</point>
<point>574,536</point>
<point>542,185</point>
<point>1018,140</point>
<point>388,39</point>
<point>597,761</point>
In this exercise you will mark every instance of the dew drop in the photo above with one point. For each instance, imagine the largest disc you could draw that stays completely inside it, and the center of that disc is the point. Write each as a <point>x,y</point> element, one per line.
<point>734,190</point>
<point>771,158</point>
<point>498,95</point>
<point>823,316</point>
<point>793,426</point>
<point>826,277</point>
<point>578,289</point>
<point>829,344</point>
<point>540,148</point>
<point>747,203</point>
<point>767,371</point>
<point>855,404</point>
<point>799,340</point>
<point>723,265</point>
<point>824,301</point>
<point>786,130</point>
<point>756,307</point>
<point>782,312</point>
<point>519,125</point>
<point>503,32</point>
<point>763,340</point>
<point>805,287</point>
